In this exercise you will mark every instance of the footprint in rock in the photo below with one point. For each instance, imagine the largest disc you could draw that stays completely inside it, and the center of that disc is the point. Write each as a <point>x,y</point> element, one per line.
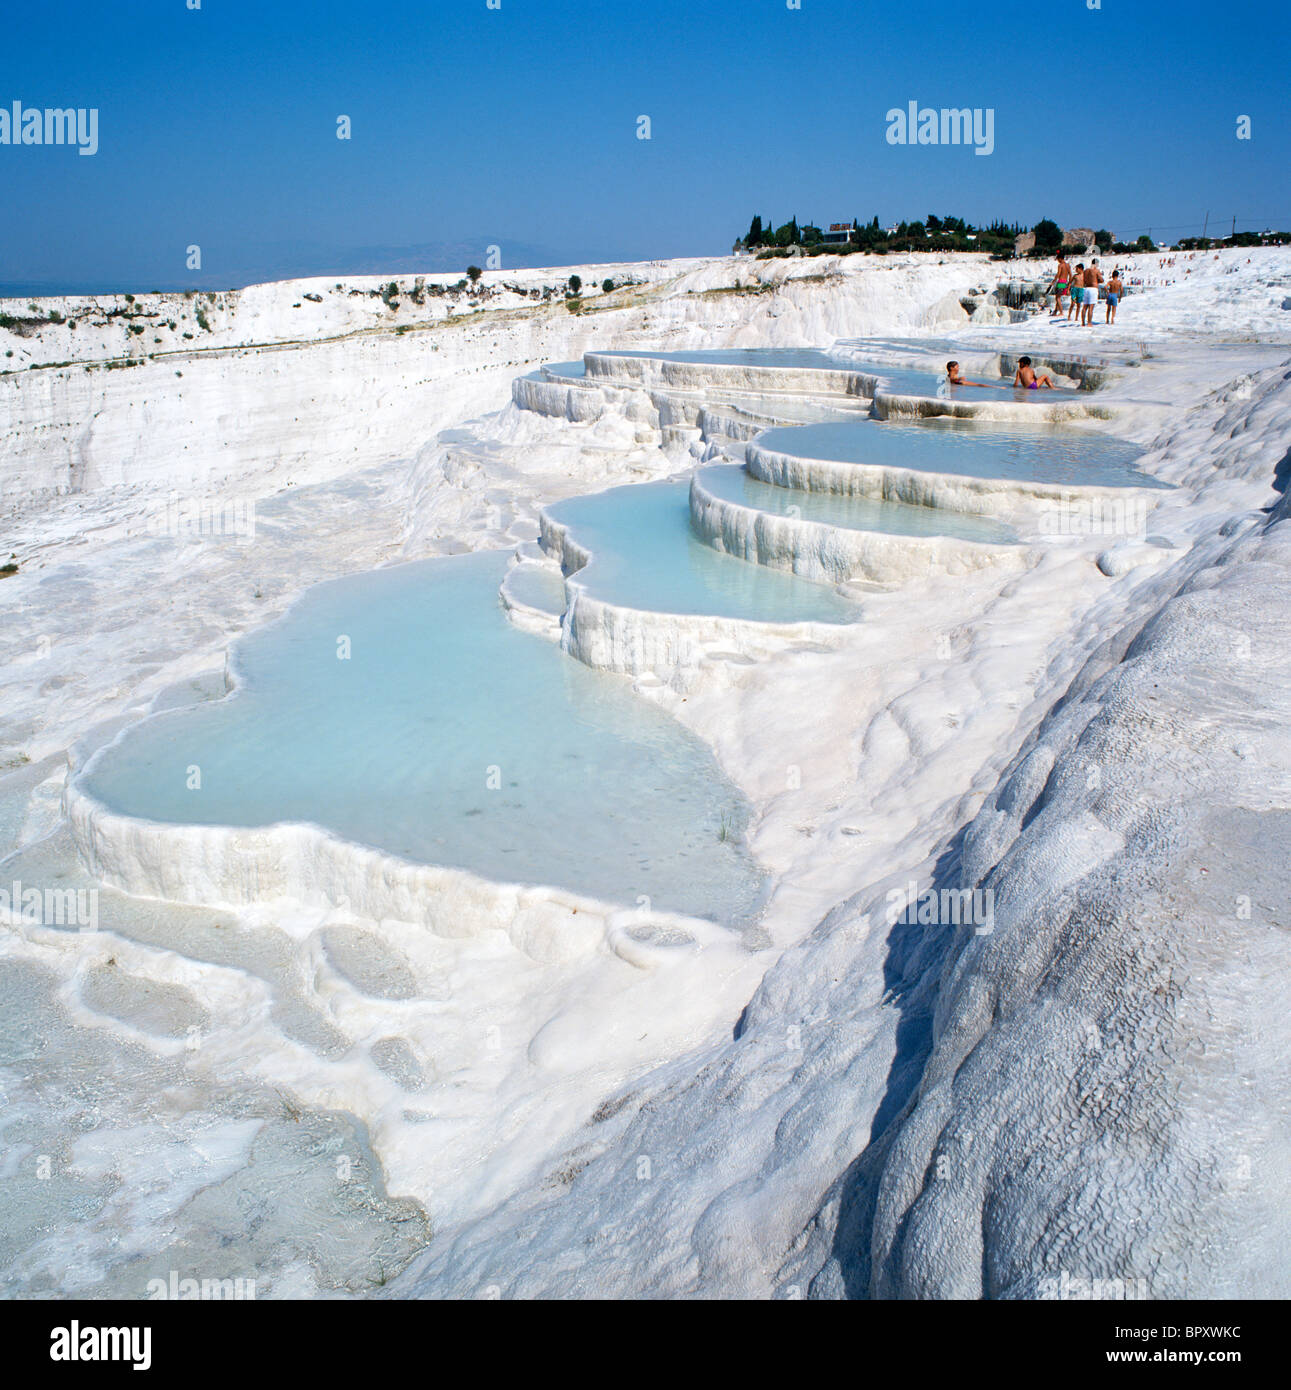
<point>165,1010</point>
<point>397,1059</point>
<point>371,966</point>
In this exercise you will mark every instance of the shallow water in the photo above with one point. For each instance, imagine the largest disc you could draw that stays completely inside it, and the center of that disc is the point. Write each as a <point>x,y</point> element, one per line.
<point>645,556</point>
<point>912,381</point>
<point>393,745</point>
<point>969,448</point>
<point>894,380</point>
<point>731,482</point>
<point>541,586</point>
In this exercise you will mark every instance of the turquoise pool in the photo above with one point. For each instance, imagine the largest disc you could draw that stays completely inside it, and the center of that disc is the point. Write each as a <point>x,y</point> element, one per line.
<point>645,556</point>
<point>966,448</point>
<point>393,745</point>
<point>731,483</point>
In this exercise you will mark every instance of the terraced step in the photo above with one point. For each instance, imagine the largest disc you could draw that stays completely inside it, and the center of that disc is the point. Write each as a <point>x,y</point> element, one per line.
<point>836,538</point>
<point>648,597</point>
<point>957,465</point>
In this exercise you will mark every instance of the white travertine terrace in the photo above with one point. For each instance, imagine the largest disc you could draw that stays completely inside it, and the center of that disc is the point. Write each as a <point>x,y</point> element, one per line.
<point>952,492</point>
<point>837,554</point>
<point>1100,738</point>
<point>708,376</point>
<point>237,867</point>
<point>672,647</point>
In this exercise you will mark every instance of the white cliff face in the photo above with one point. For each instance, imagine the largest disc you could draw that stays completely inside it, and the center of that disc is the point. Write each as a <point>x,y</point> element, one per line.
<point>280,390</point>
<point>830,1104</point>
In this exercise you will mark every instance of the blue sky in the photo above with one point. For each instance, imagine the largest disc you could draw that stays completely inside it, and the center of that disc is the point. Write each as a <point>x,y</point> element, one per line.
<point>518,127</point>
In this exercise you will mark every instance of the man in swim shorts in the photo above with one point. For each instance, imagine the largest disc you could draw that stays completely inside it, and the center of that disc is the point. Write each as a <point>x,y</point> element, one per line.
<point>1089,300</point>
<point>1077,290</point>
<point>1026,376</point>
<point>1115,289</point>
<point>1061,287</point>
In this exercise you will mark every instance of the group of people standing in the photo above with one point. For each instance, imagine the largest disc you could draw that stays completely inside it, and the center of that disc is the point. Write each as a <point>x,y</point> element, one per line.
<point>1076,291</point>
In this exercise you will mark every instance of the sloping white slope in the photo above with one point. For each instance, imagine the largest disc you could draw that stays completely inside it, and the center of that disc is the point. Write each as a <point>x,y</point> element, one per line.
<point>1104,1094</point>
<point>1094,1091</point>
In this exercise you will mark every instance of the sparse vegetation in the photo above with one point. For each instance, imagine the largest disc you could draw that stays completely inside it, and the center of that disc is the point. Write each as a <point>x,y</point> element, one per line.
<point>933,234</point>
<point>1048,236</point>
<point>23,327</point>
<point>474,272</point>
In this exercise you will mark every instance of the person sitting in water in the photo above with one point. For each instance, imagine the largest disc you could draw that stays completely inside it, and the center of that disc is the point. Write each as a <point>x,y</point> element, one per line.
<point>1027,376</point>
<point>953,376</point>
